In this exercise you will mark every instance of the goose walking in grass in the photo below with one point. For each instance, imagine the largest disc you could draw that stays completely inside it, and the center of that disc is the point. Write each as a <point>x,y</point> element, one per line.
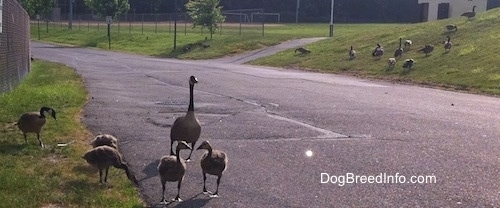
<point>186,128</point>
<point>32,122</point>
<point>391,62</point>
<point>172,168</point>
<point>213,162</point>
<point>399,52</point>
<point>105,140</point>
<point>103,157</point>
<point>302,50</point>
<point>352,53</point>
<point>451,27</point>
<point>471,14</point>
<point>427,49</point>
<point>408,63</point>
<point>448,44</point>
<point>378,51</point>
<point>408,44</point>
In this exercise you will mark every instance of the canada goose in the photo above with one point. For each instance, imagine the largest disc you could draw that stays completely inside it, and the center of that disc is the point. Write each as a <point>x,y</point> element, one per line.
<point>408,63</point>
<point>470,14</point>
<point>105,140</point>
<point>33,122</point>
<point>302,50</point>
<point>172,168</point>
<point>391,62</point>
<point>352,53</point>
<point>213,162</point>
<point>448,44</point>
<point>427,49</point>
<point>103,157</point>
<point>451,27</point>
<point>186,128</point>
<point>379,51</point>
<point>399,51</point>
<point>408,44</point>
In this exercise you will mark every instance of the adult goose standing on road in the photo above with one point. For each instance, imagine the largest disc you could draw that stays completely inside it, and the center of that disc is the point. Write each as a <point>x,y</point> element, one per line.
<point>33,122</point>
<point>172,168</point>
<point>213,162</point>
<point>186,128</point>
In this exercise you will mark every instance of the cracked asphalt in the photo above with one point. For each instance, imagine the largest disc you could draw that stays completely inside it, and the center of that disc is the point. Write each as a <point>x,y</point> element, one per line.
<point>267,118</point>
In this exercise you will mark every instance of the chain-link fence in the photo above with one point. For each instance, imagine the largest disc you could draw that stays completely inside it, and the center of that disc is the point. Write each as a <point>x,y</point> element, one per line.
<point>237,23</point>
<point>14,44</point>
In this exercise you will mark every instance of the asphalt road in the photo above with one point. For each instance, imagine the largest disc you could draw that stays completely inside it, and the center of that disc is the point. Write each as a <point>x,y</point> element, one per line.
<point>267,118</point>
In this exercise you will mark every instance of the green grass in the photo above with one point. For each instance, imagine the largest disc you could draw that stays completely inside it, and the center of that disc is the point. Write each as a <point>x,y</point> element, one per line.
<point>472,64</point>
<point>160,44</point>
<point>53,176</point>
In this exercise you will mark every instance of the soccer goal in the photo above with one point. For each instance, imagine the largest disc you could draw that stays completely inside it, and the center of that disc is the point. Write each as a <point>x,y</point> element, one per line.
<point>268,17</point>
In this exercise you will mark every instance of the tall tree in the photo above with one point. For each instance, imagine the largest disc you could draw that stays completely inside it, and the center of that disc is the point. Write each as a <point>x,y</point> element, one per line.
<point>38,7</point>
<point>206,13</point>
<point>111,8</point>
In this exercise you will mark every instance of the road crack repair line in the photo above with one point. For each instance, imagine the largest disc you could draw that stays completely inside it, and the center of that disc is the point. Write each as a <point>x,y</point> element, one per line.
<point>263,107</point>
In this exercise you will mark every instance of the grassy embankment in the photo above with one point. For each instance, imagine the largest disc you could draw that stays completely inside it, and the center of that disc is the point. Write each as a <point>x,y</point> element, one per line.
<point>472,64</point>
<point>53,176</point>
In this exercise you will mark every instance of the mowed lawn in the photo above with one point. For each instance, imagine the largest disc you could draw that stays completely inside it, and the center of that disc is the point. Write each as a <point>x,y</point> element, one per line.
<point>54,176</point>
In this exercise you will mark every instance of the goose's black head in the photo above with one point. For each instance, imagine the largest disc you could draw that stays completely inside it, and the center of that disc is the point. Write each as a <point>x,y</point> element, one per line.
<point>193,80</point>
<point>49,110</point>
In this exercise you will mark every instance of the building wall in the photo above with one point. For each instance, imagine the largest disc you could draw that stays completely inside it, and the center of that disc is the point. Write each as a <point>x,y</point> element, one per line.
<point>14,45</point>
<point>457,7</point>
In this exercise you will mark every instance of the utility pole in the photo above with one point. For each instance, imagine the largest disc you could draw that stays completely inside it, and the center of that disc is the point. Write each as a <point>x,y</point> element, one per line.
<point>331,20</point>
<point>70,16</point>
<point>175,25</point>
<point>297,12</point>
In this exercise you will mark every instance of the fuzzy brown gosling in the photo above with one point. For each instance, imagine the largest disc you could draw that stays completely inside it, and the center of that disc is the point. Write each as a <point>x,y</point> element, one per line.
<point>186,128</point>
<point>172,168</point>
<point>105,140</point>
<point>32,122</point>
<point>213,162</point>
<point>103,157</point>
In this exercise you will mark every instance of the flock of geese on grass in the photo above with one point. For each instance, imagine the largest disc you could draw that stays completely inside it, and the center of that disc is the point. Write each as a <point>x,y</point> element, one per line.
<point>171,168</point>
<point>378,52</point>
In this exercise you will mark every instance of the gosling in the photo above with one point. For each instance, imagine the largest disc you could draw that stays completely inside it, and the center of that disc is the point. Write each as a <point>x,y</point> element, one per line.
<point>103,157</point>
<point>391,62</point>
<point>105,140</point>
<point>172,168</point>
<point>213,162</point>
<point>33,122</point>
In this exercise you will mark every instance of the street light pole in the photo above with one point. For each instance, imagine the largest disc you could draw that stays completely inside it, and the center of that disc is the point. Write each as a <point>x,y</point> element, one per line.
<point>175,25</point>
<point>331,19</point>
<point>70,16</point>
<point>297,12</point>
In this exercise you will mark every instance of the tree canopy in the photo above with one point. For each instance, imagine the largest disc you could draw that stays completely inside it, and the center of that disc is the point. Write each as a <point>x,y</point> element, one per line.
<point>205,13</point>
<point>111,8</point>
<point>38,7</point>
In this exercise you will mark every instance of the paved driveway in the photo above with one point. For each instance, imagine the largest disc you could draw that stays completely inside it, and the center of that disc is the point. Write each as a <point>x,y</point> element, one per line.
<point>267,118</point>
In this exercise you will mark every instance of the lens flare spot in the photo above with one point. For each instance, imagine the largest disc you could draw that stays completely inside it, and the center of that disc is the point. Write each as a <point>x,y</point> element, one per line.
<point>309,153</point>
